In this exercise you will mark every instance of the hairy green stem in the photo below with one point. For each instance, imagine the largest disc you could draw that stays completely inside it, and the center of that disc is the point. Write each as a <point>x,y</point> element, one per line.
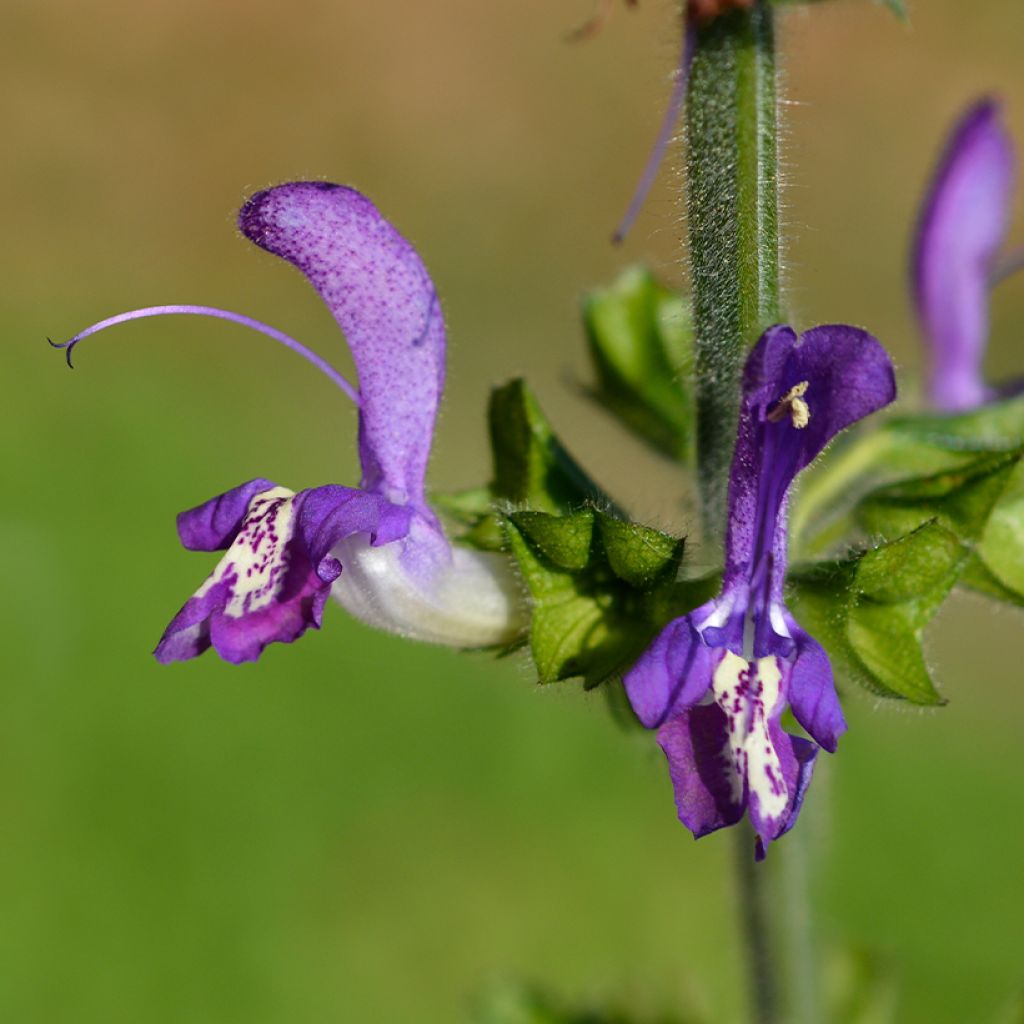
<point>732,211</point>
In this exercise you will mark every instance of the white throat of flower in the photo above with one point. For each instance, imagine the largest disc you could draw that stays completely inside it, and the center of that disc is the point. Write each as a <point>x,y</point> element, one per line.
<point>747,692</point>
<point>473,599</point>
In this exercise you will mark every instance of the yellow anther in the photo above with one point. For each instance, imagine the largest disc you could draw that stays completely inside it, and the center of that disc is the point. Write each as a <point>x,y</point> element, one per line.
<point>792,402</point>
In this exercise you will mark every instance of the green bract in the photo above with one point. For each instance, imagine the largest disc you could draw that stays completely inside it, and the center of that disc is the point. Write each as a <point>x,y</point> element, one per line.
<point>600,587</point>
<point>869,610</point>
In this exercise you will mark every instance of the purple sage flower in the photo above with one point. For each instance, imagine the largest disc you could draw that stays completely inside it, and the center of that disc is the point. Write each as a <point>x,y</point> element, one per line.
<point>714,683</point>
<point>379,548</point>
<point>961,230</point>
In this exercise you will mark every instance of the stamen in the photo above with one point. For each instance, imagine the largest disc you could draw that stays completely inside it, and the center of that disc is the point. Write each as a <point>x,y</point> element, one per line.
<point>793,404</point>
<point>221,314</point>
<point>664,136</point>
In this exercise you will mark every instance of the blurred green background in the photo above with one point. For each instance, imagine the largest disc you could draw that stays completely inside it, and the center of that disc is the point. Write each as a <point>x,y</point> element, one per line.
<point>355,829</point>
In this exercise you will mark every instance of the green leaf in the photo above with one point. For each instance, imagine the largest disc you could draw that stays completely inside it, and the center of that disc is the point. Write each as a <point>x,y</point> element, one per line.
<point>638,554</point>
<point>511,1002</point>
<point>992,427</point>
<point>565,540</point>
<point>1001,551</point>
<point>531,467</point>
<point>961,499</point>
<point>977,576</point>
<point>575,627</point>
<point>600,588</point>
<point>861,987</point>
<point>869,611</point>
<point>640,335</point>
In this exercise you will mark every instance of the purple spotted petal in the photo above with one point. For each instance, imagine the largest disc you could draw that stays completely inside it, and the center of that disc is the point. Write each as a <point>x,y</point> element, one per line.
<point>694,743</point>
<point>961,229</point>
<point>272,583</point>
<point>383,299</point>
<point>674,672</point>
<point>812,692</point>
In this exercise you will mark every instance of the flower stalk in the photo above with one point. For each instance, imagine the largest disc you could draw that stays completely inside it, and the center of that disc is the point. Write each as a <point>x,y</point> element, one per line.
<point>733,219</point>
<point>732,211</point>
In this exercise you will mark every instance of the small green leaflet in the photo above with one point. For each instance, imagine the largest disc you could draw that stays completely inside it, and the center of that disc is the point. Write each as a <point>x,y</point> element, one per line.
<point>600,588</point>
<point>870,610</point>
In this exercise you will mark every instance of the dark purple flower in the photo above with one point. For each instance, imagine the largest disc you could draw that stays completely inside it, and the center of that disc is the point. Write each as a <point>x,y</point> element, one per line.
<point>962,226</point>
<point>378,549</point>
<point>715,682</point>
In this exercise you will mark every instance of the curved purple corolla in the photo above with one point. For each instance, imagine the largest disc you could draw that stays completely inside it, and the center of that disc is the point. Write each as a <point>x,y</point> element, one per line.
<point>715,682</point>
<point>379,549</point>
<point>963,223</point>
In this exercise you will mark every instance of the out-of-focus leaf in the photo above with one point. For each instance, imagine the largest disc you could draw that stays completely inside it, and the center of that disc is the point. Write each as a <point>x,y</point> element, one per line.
<point>639,336</point>
<point>512,1003</point>
<point>1001,550</point>
<point>961,498</point>
<point>861,988</point>
<point>869,610</point>
<point>1012,1012</point>
<point>908,446</point>
<point>981,501</point>
<point>989,428</point>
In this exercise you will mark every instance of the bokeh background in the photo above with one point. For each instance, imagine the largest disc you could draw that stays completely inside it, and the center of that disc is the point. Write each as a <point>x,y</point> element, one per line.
<point>355,829</point>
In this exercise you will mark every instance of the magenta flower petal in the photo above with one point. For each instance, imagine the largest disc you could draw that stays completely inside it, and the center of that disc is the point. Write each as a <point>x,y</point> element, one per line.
<point>961,229</point>
<point>383,299</point>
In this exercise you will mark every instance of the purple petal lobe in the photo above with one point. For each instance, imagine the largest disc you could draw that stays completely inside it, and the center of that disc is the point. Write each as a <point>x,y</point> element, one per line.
<point>673,673</point>
<point>961,229</point>
<point>812,692</point>
<point>213,525</point>
<point>695,743</point>
<point>383,299</point>
<point>272,582</point>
